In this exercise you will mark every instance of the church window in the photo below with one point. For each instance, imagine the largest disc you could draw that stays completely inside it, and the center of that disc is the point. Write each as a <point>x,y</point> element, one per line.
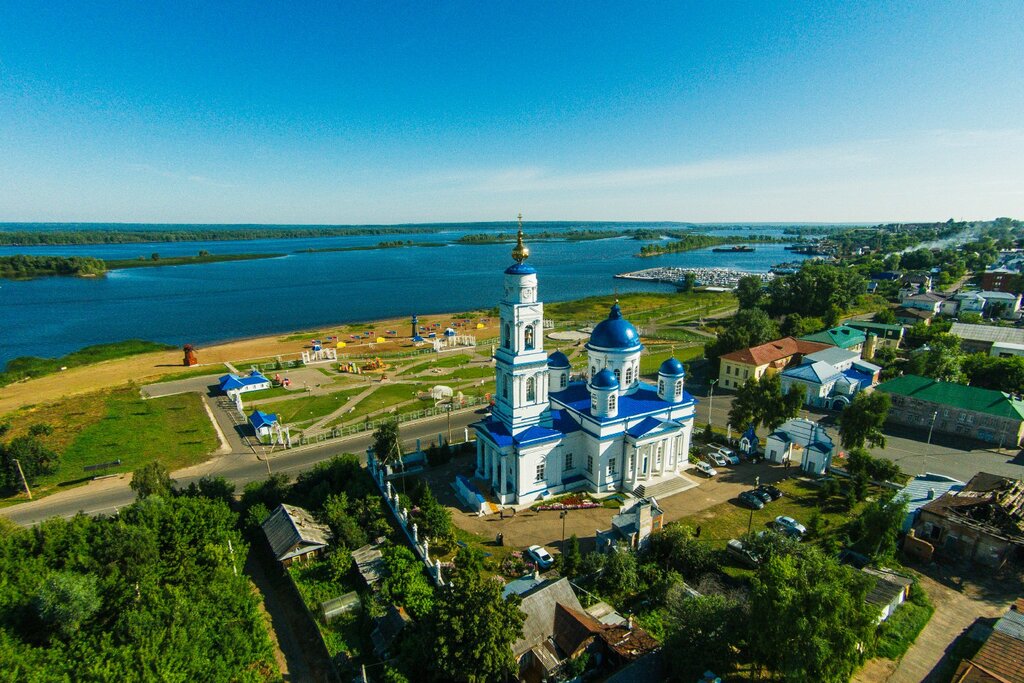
<point>531,389</point>
<point>507,336</point>
<point>618,375</point>
<point>661,386</point>
<point>504,387</point>
<point>590,463</point>
<point>629,375</point>
<point>593,403</point>
<point>679,386</point>
<point>563,380</point>
<point>540,471</point>
<point>611,466</point>
<point>593,370</point>
<point>528,337</point>
<point>611,402</point>
<point>568,461</point>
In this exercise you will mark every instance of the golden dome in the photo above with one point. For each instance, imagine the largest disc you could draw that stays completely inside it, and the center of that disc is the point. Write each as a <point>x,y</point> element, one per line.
<point>520,252</point>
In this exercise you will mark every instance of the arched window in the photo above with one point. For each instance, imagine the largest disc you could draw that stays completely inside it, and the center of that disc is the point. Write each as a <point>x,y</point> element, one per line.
<point>504,387</point>
<point>593,403</point>
<point>593,371</point>
<point>531,390</point>
<point>507,341</point>
<point>661,387</point>
<point>563,380</point>
<point>528,338</point>
<point>618,375</point>
<point>679,386</point>
<point>629,375</point>
<point>611,402</point>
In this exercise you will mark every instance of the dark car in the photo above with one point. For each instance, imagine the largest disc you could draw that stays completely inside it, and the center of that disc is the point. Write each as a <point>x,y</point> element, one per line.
<point>763,495</point>
<point>750,500</point>
<point>772,491</point>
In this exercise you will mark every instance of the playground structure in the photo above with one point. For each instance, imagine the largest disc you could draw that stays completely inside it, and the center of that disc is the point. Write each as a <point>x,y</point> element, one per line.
<point>375,364</point>
<point>318,354</point>
<point>190,356</point>
<point>350,367</point>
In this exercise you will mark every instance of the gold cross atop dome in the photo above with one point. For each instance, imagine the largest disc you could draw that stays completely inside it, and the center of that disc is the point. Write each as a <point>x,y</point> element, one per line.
<point>521,252</point>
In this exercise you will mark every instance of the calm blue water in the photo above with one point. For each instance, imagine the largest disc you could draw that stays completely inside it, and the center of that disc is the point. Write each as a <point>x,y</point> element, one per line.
<point>214,302</point>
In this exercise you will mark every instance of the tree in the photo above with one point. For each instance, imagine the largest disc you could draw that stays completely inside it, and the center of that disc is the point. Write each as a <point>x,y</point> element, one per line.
<point>35,458</point>
<point>65,600</point>
<point>861,463</point>
<point>749,291</point>
<point>689,281</point>
<point>796,325</point>
<point>761,402</point>
<point>1001,374</point>
<point>876,529</point>
<point>861,422</point>
<point>701,633</point>
<point>572,558</point>
<point>816,290</point>
<point>942,361</point>
<point>404,582</point>
<point>152,479</point>
<point>749,327</point>
<point>216,488</point>
<point>347,531</point>
<point>886,316</point>
<point>808,617</point>
<point>473,628</point>
<point>155,256</point>
<point>619,576</point>
<point>435,520</point>
<point>676,548</point>
<point>386,446</point>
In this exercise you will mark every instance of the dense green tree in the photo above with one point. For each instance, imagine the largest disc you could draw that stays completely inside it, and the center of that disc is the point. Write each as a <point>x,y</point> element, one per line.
<point>1001,374</point>
<point>749,327</point>
<point>676,548</point>
<point>619,576</point>
<point>761,402</point>
<point>435,521</point>
<point>942,361</point>
<point>876,529</point>
<point>217,488</point>
<point>808,617</point>
<point>386,445</point>
<point>65,600</point>
<point>472,628</point>
<point>861,463</point>
<point>152,479</point>
<point>346,529</point>
<point>35,458</point>
<point>862,421</point>
<point>702,633</point>
<point>885,316</point>
<point>816,290</point>
<point>404,582</point>
<point>796,325</point>
<point>571,558</point>
<point>749,291</point>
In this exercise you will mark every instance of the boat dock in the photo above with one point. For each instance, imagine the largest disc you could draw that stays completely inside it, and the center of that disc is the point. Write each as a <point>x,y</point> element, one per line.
<point>724,278</point>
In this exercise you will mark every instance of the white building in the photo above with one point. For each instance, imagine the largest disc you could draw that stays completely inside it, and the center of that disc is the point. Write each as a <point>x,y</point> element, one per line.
<point>549,434</point>
<point>830,378</point>
<point>802,442</point>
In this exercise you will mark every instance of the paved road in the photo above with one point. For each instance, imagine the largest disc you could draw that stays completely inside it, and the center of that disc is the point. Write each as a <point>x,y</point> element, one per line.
<point>106,496</point>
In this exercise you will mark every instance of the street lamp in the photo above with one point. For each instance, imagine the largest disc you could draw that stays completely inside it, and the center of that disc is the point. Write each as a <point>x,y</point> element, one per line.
<point>711,399</point>
<point>934,415</point>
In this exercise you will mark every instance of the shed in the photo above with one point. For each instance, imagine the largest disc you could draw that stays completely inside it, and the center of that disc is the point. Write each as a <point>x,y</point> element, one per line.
<point>293,534</point>
<point>369,563</point>
<point>335,607</point>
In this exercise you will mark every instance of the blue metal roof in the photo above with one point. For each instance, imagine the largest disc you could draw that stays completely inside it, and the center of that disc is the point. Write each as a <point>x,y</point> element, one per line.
<point>650,425</point>
<point>233,381</point>
<point>857,376</point>
<point>816,372</point>
<point>496,431</point>
<point>672,367</point>
<point>605,379</point>
<point>645,400</point>
<point>537,433</point>
<point>259,419</point>
<point>558,360</point>
<point>615,332</point>
<point>916,490</point>
<point>520,269</point>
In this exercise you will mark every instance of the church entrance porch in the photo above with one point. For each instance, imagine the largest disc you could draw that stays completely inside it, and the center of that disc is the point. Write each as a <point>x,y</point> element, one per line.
<point>664,486</point>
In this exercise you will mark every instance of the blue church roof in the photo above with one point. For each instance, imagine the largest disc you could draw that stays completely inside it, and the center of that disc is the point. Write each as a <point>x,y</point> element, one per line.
<point>558,360</point>
<point>671,367</point>
<point>604,380</point>
<point>520,269</point>
<point>576,397</point>
<point>233,381</point>
<point>260,419</point>
<point>649,425</point>
<point>615,332</point>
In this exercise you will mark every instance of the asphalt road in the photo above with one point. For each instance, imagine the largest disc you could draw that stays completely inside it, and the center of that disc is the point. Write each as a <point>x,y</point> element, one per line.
<point>106,496</point>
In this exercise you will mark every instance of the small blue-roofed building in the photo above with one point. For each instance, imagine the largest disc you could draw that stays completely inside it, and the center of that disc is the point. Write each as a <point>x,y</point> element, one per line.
<point>605,431</point>
<point>923,489</point>
<point>233,384</point>
<point>801,442</point>
<point>264,424</point>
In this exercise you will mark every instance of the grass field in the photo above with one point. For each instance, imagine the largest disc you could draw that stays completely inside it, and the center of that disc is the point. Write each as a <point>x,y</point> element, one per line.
<point>32,366</point>
<point>310,407</point>
<point>386,396</point>
<point>452,361</point>
<point>217,370</point>
<point>650,362</point>
<point>107,426</point>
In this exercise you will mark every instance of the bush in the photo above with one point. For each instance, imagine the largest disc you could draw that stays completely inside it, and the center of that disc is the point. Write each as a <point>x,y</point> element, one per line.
<point>897,633</point>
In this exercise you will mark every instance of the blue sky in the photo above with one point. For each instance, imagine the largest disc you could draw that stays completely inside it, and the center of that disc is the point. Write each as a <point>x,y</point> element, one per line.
<point>402,112</point>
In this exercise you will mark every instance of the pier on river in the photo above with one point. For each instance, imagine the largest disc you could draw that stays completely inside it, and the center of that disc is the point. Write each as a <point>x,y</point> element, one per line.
<point>725,278</point>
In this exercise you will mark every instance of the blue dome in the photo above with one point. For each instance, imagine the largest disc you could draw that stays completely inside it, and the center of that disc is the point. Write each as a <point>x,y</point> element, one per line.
<point>520,269</point>
<point>615,332</point>
<point>672,367</point>
<point>558,360</point>
<point>604,380</point>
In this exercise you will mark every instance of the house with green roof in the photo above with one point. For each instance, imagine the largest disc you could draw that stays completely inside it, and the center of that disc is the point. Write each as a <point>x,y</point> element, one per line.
<point>984,414</point>
<point>843,336</point>
<point>888,335</point>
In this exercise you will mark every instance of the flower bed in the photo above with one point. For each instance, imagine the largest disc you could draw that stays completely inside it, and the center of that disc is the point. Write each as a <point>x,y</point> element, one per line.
<point>572,501</point>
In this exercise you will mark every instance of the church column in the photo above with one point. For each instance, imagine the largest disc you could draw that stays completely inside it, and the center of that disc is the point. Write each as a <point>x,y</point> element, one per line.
<point>664,457</point>
<point>495,467</point>
<point>479,457</point>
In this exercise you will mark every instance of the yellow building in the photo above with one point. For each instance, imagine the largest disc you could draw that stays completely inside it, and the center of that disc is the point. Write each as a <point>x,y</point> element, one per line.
<point>775,356</point>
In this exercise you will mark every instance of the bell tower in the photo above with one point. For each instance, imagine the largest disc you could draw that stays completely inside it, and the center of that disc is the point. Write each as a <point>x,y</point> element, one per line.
<point>521,394</point>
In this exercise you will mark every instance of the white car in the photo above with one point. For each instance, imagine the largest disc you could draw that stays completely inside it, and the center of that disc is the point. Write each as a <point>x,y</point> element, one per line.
<point>790,526</point>
<point>729,455</point>
<point>716,458</point>
<point>706,468</point>
<point>540,557</point>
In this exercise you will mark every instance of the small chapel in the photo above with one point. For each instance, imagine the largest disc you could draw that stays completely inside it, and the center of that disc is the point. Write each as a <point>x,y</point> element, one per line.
<point>605,431</point>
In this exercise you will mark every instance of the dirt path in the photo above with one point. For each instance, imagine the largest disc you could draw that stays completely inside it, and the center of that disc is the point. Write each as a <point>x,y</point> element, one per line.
<point>957,606</point>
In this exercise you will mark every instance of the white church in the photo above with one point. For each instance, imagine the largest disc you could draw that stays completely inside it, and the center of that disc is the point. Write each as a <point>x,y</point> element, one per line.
<point>610,432</point>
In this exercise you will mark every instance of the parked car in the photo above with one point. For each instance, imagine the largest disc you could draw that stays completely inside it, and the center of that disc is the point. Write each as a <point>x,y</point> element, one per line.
<point>738,551</point>
<point>706,468</point>
<point>729,455</point>
<point>539,556</point>
<point>750,500</point>
<point>764,496</point>
<point>715,458</point>
<point>790,526</point>
<point>773,491</point>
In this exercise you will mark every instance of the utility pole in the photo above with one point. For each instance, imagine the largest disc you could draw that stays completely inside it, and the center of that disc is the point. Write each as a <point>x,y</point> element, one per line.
<point>23,479</point>
<point>711,399</point>
<point>934,415</point>
<point>450,406</point>
<point>563,515</point>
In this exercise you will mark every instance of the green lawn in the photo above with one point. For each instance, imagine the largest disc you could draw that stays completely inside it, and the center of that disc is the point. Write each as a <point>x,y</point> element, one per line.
<point>897,633</point>
<point>32,366</point>
<point>650,362</point>
<point>386,396</point>
<point>452,361</point>
<point>310,406</point>
<point>107,426</point>
<point>216,370</point>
